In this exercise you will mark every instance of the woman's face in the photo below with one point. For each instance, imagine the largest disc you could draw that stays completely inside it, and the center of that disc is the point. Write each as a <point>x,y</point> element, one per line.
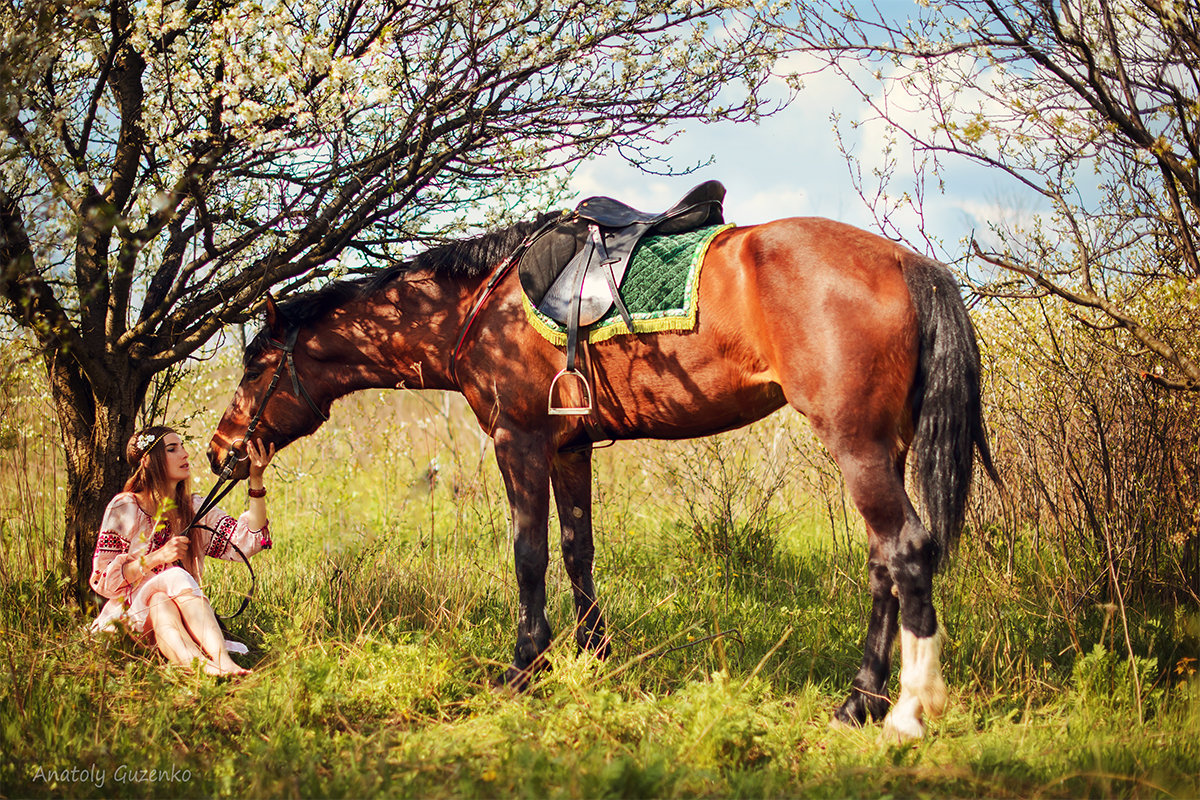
<point>177,464</point>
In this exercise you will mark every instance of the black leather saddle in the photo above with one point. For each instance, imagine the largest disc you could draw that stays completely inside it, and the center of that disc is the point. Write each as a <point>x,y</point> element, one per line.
<point>572,269</point>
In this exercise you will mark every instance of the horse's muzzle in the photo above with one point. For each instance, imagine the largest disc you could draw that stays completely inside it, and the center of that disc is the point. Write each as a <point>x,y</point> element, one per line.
<point>215,455</point>
<point>218,455</point>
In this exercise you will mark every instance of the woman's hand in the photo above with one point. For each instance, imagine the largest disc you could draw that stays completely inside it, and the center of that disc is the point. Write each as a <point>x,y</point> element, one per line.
<point>260,457</point>
<point>174,550</point>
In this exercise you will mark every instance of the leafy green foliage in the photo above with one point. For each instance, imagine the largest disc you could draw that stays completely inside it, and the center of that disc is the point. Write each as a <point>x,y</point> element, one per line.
<point>1084,114</point>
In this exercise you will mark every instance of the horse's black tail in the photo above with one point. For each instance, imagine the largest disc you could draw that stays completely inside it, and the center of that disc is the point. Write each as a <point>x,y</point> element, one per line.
<point>946,403</point>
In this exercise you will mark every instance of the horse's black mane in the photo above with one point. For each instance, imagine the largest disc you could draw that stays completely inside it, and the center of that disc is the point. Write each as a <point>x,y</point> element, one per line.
<point>465,258</point>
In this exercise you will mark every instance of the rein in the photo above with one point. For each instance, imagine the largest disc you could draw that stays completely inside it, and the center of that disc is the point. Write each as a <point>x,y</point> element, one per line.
<point>226,481</point>
<point>502,269</point>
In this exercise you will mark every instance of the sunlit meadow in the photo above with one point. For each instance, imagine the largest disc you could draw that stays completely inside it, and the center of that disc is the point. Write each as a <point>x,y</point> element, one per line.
<point>732,571</point>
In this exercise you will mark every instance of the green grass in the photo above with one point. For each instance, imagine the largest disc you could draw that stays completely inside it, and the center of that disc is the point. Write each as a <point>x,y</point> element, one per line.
<point>388,606</point>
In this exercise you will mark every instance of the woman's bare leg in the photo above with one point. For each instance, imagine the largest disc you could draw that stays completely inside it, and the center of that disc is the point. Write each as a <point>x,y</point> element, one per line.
<point>172,638</point>
<point>202,624</point>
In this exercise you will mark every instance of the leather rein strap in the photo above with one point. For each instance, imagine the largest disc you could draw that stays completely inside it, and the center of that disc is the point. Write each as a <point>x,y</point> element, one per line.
<point>225,481</point>
<point>503,268</point>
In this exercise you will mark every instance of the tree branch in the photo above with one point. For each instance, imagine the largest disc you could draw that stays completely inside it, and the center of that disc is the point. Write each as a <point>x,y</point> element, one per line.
<point>1139,332</point>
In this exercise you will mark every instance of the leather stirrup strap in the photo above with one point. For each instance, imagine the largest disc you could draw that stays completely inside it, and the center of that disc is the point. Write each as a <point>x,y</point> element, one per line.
<point>606,263</point>
<point>573,312</point>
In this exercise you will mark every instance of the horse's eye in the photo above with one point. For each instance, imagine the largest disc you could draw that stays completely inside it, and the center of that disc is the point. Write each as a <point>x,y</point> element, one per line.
<point>253,374</point>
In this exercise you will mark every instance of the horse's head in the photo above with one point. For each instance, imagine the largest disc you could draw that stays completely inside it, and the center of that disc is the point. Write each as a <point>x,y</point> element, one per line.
<point>279,398</point>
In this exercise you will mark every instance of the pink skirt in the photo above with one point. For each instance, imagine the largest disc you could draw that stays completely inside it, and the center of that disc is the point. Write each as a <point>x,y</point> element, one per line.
<point>134,612</point>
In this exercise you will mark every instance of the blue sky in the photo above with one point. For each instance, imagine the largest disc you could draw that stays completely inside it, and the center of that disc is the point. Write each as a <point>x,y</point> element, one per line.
<point>790,165</point>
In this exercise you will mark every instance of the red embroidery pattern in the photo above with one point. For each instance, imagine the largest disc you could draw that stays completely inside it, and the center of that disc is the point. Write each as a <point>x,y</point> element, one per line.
<point>110,542</point>
<point>220,540</point>
<point>160,538</point>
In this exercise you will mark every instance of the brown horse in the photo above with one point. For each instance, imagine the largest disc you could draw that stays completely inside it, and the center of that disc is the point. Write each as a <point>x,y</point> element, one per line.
<point>869,340</point>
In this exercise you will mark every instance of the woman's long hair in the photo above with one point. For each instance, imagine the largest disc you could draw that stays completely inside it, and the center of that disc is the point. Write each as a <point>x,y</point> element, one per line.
<point>147,455</point>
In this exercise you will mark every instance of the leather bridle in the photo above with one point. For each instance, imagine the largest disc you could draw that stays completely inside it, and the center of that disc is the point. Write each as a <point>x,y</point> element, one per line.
<point>502,269</point>
<point>225,480</point>
<point>288,346</point>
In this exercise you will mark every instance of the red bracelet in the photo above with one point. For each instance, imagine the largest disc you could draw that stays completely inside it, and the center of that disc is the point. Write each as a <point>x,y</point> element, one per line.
<point>257,492</point>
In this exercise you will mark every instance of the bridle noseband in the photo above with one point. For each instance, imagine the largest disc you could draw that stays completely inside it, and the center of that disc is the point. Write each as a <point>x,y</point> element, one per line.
<point>225,480</point>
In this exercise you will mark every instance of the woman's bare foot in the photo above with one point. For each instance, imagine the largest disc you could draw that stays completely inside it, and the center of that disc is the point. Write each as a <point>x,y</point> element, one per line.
<point>211,668</point>
<point>229,667</point>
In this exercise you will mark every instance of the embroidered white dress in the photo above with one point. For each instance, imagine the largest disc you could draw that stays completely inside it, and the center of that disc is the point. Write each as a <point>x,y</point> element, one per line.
<point>127,533</point>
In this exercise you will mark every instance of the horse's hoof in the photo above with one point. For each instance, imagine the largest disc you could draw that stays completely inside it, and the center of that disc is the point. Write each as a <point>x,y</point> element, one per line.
<point>858,708</point>
<point>519,678</point>
<point>901,730</point>
<point>904,723</point>
<point>596,643</point>
<point>514,679</point>
<point>836,724</point>
<point>846,717</point>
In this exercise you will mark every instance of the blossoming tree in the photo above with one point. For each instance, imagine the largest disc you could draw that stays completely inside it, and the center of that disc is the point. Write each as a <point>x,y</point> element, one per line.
<point>164,164</point>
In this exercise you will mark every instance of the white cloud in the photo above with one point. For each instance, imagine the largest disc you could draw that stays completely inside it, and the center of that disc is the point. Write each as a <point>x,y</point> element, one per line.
<point>790,165</point>
<point>787,165</point>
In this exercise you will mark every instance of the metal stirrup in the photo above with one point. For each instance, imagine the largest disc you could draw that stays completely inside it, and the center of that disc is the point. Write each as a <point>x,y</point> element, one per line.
<point>568,411</point>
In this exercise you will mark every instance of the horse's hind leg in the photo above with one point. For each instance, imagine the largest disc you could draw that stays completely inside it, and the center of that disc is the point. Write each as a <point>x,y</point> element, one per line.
<point>922,690</point>
<point>571,477</point>
<point>902,559</point>
<point>868,697</point>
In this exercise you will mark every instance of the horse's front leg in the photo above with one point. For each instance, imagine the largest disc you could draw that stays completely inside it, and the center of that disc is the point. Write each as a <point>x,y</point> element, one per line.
<point>525,466</point>
<point>571,475</point>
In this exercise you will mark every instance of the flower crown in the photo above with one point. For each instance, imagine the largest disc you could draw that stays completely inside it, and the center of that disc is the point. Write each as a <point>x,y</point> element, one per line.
<point>145,441</point>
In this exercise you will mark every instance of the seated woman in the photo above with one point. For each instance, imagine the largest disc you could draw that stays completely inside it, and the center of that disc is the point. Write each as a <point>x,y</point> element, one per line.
<point>149,561</point>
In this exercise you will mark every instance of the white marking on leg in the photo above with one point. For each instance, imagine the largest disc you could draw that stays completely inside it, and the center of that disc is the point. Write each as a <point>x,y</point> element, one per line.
<point>922,690</point>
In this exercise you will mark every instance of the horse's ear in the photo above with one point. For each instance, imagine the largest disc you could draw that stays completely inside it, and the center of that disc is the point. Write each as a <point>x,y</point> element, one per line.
<point>273,315</point>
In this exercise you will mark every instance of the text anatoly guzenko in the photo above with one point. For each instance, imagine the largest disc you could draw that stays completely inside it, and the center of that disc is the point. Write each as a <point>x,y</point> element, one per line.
<point>122,774</point>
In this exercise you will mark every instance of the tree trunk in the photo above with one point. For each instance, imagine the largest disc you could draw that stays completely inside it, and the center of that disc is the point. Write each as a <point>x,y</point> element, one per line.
<point>97,422</point>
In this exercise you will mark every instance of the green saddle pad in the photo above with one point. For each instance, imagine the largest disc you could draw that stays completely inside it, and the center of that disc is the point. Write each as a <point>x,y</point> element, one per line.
<point>659,289</point>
